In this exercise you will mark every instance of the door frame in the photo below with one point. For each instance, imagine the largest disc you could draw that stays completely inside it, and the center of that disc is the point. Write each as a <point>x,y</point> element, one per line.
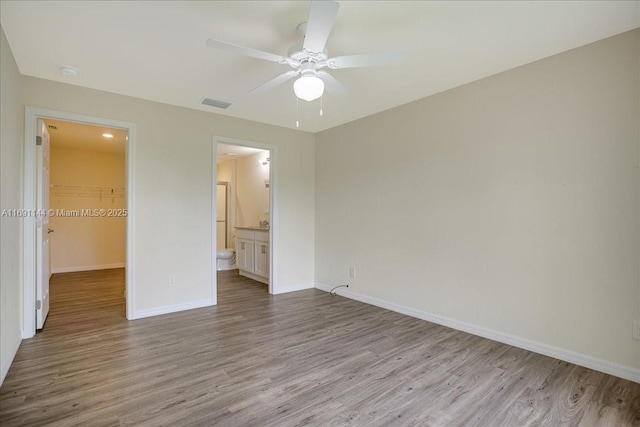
<point>29,204</point>
<point>43,273</point>
<point>273,209</point>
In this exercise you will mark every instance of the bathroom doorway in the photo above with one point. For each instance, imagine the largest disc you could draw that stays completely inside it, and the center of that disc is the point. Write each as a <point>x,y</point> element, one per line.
<point>244,226</point>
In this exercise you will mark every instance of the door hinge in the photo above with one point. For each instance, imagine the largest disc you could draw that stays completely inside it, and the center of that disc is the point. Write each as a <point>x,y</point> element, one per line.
<point>38,304</point>
<point>38,140</point>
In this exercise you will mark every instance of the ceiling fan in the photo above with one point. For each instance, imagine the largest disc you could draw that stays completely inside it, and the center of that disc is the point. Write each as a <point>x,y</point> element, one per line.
<point>308,60</point>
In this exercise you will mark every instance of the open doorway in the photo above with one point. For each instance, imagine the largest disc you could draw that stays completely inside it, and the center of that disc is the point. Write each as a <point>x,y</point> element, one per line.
<point>244,214</point>
<point>87,197</point>
<point>87,220</point>
<point>83,210</point>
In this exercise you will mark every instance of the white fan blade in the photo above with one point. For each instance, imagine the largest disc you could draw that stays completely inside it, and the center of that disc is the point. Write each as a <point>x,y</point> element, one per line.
<point>332,84</point>
<point>321,17</point>
<point>246,51</point>
<point>275,82</point>
<point>368,60</point>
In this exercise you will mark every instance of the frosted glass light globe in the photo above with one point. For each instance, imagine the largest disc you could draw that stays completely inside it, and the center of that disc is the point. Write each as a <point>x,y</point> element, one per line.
<point>308,88</point>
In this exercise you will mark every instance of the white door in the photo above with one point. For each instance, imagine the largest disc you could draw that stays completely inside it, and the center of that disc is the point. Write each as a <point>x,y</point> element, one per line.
<point>42,225</point>
<point>221,216</point>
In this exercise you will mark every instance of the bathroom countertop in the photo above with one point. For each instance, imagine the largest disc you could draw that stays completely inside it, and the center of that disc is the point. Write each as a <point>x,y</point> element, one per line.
<point>255,228</point>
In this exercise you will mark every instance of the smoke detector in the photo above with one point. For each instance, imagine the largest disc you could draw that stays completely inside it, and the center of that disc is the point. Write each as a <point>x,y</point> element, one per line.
<point>68,70</point>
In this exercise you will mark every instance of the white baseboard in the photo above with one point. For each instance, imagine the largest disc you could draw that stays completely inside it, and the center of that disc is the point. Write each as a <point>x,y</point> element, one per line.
<point>626,372</point>
<point>7,360</point>
<point>140,314</point>
<point>292,288</point>
<point>255,277</point>
<point>86,268</point>
<point>278,289</point>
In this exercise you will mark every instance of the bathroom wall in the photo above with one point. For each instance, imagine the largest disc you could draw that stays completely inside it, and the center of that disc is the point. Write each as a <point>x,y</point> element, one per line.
<point>252,195</point>
<point>226,170</point>
<point>88,242</point>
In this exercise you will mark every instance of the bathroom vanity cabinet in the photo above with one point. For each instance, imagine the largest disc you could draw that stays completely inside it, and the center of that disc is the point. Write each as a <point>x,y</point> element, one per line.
<point>252,253</point>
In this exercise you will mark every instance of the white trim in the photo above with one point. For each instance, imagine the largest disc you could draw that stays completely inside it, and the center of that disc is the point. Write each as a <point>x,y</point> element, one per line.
<point>6,363</point>
<point>255,277</point>
<point>29,227</point>
<point>294,288</point>
<point>626,372</point>
<point>29,203</point>
<point>273,208</point>
<point>214,225</point>
<point>141,314</point>
<point>87,268</point>
<point>130,284</point>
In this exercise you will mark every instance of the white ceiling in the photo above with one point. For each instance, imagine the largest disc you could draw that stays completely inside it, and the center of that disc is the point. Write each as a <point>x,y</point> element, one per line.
<point>77,136</point>
<point>156,50</point>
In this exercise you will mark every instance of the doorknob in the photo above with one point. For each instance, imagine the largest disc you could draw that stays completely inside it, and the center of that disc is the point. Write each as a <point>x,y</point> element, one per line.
<point>50,230</point>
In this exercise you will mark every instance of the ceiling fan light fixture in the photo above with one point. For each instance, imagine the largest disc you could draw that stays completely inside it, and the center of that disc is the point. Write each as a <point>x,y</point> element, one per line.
<point>308,87</point>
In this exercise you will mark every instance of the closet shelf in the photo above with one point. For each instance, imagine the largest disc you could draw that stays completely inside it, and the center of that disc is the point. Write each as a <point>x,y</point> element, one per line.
<point>86,191</point>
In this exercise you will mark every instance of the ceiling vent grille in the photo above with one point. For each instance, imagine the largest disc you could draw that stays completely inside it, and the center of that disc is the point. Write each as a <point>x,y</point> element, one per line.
<point>216,103</point>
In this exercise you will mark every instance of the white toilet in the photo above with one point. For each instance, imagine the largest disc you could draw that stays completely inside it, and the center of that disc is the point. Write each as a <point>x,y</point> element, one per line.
<point>225,259</point>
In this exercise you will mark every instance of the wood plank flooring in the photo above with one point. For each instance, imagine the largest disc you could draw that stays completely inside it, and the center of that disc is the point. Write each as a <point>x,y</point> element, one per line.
<point>304,358</point>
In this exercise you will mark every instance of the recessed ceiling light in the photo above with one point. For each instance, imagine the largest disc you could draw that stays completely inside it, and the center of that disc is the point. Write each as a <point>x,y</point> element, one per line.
<point>68,70</point>
<point>107,135</point>
<point>231,154</point>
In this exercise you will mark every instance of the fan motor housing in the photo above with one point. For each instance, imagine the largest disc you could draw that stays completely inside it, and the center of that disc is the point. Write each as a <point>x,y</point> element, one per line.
<point>298,54</point>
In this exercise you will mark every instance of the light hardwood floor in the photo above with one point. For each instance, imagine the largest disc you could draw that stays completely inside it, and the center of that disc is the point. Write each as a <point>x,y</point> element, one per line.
<point>304,358</point>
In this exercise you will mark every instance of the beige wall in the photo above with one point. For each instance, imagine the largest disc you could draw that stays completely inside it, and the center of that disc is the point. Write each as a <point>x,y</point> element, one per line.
<point>252,195</point>
<point>511,203</point>
<point>174,185</point>
<point>87,242</point>
<point>11,136</point>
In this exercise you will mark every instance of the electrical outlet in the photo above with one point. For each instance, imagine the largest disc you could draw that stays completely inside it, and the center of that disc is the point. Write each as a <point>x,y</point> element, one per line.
<point>172,281</point>
<point>352,272</point>
<point>636,330</point>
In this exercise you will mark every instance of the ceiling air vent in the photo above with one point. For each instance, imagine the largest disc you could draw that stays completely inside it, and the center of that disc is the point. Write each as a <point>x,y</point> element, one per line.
<point>216,103</point>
